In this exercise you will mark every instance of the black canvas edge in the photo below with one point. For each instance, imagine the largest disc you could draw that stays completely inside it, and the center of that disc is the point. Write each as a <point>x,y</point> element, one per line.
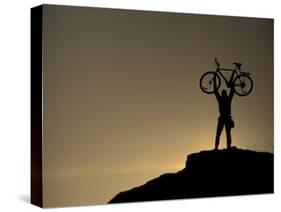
<point>36,189</point>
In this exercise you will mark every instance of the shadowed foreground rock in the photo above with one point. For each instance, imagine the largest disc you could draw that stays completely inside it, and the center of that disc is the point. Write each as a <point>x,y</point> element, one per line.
<point>209,174</point>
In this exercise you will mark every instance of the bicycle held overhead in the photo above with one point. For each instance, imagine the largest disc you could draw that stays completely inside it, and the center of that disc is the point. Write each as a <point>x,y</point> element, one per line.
<point>241,81</point>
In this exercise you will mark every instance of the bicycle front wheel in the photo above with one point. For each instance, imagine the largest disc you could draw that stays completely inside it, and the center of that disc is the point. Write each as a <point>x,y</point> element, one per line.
<point>207,82</point>
<point>243,85</point>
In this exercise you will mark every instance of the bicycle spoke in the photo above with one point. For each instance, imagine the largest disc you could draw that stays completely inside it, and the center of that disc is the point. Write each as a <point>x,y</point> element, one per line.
<point>245,85</point>
<point>207,82</point>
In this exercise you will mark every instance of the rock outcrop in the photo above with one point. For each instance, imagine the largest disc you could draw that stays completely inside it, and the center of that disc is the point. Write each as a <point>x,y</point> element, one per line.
<point>209,174</point>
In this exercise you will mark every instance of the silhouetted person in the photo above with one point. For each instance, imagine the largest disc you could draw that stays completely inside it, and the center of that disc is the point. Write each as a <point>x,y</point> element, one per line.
<point>225,119</point>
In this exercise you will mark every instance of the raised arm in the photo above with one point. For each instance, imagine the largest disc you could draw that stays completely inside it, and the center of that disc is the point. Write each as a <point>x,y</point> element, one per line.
<point>231,93</point>
<point>216,89</point>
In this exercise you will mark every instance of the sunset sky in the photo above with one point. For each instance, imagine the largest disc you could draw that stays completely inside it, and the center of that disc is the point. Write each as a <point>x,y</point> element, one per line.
<point>122,102</point>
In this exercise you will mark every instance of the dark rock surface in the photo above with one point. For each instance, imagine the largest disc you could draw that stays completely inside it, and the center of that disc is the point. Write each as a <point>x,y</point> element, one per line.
<point>208,174</point>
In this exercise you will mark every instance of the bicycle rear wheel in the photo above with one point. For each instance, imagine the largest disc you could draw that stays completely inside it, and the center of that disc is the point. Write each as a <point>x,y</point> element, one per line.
<point>207,82</point>
<point>243,85</point>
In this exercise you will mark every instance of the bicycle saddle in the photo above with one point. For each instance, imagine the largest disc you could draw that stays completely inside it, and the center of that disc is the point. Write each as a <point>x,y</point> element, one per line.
<point>238,64</point>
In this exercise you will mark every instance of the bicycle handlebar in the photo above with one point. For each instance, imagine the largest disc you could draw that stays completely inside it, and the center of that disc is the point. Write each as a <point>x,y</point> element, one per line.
<point>238,65</point>
<point>216,61</point>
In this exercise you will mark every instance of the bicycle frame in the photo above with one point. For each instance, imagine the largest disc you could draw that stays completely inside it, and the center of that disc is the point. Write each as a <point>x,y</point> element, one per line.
<point>234,71</point>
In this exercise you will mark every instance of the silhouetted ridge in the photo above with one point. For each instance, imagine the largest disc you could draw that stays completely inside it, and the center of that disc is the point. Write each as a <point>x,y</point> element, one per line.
<point>207,174</point>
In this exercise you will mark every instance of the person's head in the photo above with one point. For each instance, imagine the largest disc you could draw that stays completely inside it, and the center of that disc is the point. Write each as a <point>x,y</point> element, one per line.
<point>224,93</point>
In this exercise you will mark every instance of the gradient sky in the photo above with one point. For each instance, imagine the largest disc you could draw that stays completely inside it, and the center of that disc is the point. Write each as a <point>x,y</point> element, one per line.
<point>122,102</point>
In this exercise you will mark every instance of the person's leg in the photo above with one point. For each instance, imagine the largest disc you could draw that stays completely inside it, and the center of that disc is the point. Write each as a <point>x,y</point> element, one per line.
<point>228,135</point>
<point>218,133</point>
